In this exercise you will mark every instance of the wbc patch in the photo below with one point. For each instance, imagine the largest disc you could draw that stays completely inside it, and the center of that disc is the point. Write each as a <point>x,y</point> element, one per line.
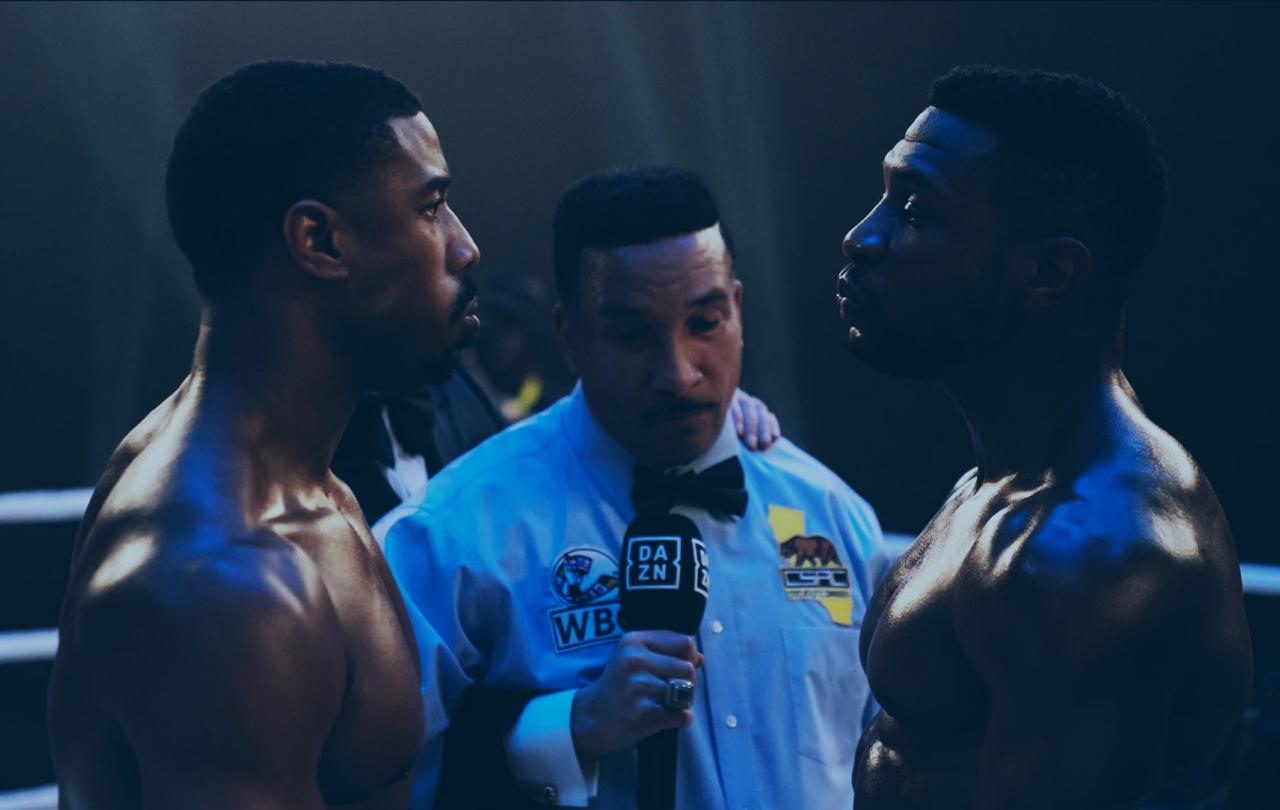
<point>811,567</point>
<point>585,580</point>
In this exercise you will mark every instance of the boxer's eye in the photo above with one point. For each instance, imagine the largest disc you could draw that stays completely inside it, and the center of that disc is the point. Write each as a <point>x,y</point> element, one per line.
<point>911,210</point>
<point>432,209</point>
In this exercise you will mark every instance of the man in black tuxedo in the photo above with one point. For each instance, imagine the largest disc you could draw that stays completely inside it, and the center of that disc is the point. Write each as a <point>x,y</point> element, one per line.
<point>394,444</point>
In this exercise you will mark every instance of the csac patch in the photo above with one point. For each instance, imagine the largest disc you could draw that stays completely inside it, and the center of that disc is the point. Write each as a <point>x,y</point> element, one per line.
<point>585,580</point>
<point>811,566</point>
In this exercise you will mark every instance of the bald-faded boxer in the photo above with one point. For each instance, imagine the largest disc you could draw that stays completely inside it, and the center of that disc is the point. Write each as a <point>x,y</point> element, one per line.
<point>231,636</point>
<point>1069,629</point>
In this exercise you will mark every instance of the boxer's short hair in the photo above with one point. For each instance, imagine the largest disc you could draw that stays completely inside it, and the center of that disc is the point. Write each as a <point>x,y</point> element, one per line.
<point>262,138</point>
<point>627,206</point>
<point>1076,159</point>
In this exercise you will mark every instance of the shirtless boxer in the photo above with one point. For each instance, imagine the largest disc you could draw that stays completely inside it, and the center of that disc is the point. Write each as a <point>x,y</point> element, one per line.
<point>1069,629</point>
<point>231,636</point>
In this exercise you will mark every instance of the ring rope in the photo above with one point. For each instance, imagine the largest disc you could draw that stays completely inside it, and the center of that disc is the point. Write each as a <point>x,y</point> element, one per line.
<point>40,798</point>
<point>50,506</point>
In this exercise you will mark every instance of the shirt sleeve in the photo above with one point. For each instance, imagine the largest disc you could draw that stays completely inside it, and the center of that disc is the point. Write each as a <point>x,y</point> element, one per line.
<point>540,751</point>
<point>861,527</point>
<point>872,560</point>
<point>449,659</point>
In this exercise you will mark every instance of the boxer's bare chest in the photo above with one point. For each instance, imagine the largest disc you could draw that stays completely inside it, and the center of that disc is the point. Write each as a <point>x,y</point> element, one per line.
<point>376,737</point>
<point>923,748</point>
<point>915,662</point>
<point>369,749</point>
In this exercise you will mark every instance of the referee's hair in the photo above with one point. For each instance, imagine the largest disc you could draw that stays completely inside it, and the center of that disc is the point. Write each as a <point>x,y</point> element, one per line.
<point>627,206</point>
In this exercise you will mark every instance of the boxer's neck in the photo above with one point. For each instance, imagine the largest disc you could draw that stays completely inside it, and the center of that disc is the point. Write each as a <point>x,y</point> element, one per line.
<point>271,383</point>
<point>1026,409</point>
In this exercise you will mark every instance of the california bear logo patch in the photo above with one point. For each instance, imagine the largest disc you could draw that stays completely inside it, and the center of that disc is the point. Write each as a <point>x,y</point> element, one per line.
<point>810,565</point>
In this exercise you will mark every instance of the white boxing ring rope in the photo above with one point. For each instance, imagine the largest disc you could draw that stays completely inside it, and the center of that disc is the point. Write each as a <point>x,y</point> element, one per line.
<point>41,798</point>
<point>40,506</point>
<point>66,505</point>
<point>44,505</point>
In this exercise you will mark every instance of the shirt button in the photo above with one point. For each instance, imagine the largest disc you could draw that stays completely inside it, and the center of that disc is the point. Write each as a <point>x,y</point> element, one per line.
<point>550,795</point>
<point>731,721</point>
<point>717,627</point>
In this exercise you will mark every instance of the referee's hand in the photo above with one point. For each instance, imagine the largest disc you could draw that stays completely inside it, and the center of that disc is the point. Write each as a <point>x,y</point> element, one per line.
<point>625,705</point>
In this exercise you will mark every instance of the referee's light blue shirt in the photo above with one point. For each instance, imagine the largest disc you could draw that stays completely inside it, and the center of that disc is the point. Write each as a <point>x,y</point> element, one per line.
<point>509,566</point>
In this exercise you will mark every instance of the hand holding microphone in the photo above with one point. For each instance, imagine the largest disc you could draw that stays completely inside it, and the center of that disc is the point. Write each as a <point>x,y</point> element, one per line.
<point>623,707</point>
<point>646,692</point>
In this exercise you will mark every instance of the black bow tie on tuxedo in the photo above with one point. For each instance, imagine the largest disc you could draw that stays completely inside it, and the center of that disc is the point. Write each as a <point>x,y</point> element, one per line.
<point>719,488</point>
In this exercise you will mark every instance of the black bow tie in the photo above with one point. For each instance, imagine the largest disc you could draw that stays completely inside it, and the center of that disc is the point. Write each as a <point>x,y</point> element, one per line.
<point>716,489</point>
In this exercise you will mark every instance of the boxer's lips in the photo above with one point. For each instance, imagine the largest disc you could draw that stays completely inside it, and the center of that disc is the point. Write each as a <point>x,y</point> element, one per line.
<point>470,323</point>
<point>851,302</point>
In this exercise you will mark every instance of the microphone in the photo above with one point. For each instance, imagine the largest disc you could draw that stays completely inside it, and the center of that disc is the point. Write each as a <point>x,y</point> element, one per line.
<point>664,587</point>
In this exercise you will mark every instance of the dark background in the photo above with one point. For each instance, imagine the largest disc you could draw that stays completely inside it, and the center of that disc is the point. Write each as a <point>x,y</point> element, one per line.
<point>787,110</point>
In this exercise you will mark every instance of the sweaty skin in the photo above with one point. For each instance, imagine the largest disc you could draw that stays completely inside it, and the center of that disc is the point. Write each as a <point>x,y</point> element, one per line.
<point>1068,630</point>
<point>231,635</point>
<point>1058,634</point>
<point>196,567</point>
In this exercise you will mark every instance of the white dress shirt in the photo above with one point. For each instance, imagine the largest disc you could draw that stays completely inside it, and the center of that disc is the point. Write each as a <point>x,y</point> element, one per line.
<point>408,476</point>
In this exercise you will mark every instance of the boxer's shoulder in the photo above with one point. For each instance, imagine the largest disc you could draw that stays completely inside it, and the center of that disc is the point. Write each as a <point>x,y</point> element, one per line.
<point>234,651</point>
<point>1131,480</point>
<point>194,610</point>
<point>204,574</point>
<point>1111,556</point>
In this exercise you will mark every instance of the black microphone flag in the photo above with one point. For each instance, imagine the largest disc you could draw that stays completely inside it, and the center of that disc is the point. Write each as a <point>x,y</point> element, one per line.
<point>664,575</point>
<point>664,587</point>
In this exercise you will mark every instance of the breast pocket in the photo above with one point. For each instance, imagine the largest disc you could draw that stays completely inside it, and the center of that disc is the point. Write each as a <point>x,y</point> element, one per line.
<point>828,691</point>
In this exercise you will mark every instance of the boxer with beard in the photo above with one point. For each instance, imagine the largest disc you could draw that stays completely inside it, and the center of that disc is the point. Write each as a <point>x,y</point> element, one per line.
<point>1069,629</point>
<point>231,636</point>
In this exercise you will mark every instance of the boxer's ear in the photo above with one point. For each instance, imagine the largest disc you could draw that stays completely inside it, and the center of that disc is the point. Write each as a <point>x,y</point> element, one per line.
<point>1053,270</point>
<point>309,227</point>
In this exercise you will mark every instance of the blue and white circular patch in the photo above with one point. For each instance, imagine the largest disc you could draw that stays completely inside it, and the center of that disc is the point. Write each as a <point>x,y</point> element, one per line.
<point>581,576</point>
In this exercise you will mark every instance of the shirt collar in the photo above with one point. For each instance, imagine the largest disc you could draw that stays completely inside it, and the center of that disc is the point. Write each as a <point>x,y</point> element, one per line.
<point>612,465</point>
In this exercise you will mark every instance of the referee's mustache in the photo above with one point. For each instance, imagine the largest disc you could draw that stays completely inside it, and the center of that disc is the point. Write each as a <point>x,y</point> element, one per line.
<point>676,409</point>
